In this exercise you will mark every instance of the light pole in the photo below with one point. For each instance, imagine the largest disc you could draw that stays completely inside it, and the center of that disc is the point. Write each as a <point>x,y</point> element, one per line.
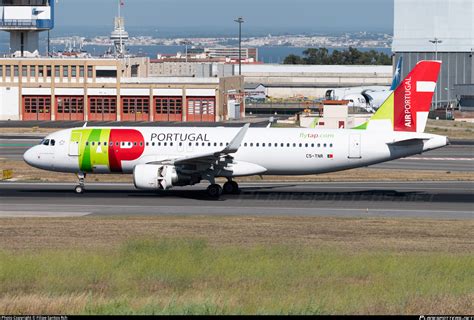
<point>240,20</point>
<point>186,43</point>
<point>436,41</point>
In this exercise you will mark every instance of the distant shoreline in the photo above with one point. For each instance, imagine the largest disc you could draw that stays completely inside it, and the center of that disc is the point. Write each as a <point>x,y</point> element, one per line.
<point>267,54</point>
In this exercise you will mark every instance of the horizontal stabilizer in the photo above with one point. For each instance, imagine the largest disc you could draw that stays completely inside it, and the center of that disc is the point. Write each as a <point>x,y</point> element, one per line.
<point>405,142</point>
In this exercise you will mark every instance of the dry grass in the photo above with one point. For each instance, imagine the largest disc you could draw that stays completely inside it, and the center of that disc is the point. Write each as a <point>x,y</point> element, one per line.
<point>24,172</point>
<point>453,129</point>
<point>400,235</point>
<point>27,131</point>
<point>236,265</point>
<point>86,303</point>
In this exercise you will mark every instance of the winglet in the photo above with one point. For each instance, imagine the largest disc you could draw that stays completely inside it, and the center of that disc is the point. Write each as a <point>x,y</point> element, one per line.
<point>234,145</point>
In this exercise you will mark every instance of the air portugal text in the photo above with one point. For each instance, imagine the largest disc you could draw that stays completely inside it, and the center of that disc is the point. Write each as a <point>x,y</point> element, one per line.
<point>407,104</point>
<point>184,137</point>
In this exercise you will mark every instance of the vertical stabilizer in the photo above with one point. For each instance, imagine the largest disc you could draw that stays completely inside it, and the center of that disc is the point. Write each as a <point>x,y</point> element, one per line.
<point>397,76</point>
<point>407,107</point>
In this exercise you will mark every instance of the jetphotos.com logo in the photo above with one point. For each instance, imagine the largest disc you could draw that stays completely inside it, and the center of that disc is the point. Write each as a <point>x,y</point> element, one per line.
<point>316,135</point>
<point>446,317</point>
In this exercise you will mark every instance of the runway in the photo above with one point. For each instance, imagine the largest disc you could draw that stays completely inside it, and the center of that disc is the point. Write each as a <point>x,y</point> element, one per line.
<point>456,157</point>
<point>446,200</point>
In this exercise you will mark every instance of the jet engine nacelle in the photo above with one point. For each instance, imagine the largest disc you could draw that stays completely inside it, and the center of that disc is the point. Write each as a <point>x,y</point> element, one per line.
<point>155,177</point>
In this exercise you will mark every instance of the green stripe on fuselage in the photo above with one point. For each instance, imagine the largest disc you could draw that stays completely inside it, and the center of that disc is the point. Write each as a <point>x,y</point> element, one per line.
<point>93,148</point>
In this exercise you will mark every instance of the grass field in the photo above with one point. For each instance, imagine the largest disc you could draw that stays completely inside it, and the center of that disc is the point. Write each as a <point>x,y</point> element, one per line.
<point>236,265</point>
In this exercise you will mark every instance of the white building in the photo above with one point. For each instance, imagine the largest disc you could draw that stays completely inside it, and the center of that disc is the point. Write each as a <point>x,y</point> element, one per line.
<point>312,81</point>
<point>418,23</point>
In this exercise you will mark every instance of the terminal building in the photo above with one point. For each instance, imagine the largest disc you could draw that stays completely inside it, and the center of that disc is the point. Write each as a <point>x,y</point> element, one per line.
<point>116,88</point>
<point>442,30</point>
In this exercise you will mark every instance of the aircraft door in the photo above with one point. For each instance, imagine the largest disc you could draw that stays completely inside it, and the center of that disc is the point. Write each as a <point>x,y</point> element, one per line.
<point>74,149</point>
<point>355,146</point>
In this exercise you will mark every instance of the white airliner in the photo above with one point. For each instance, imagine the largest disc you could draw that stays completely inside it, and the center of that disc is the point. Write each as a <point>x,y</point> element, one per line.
<point>370,98</point>
<point>161,158</point>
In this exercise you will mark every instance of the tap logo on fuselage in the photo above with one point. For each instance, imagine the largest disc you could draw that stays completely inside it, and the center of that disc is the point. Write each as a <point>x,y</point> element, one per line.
<point>106,149</point>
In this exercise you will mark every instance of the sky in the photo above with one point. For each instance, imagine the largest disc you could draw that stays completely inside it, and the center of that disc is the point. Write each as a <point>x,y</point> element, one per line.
<point>216,16</point>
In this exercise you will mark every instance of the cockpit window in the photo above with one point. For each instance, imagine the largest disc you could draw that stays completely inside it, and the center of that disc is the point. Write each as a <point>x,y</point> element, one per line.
<point>45,142</point>
<point>52,143</point>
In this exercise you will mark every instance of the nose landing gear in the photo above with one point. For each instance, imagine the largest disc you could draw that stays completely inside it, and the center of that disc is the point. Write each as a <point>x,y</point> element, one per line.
<point>79,189</point>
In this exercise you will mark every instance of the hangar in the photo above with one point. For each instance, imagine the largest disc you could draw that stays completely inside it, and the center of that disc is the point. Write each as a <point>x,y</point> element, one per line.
<point>111,90</point>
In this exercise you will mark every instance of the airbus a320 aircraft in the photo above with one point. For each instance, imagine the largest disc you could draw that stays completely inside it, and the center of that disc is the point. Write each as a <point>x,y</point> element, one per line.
<point>162,158</point>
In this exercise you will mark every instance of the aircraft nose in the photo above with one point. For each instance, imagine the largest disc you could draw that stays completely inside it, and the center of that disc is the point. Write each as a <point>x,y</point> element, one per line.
<point>30,156</point>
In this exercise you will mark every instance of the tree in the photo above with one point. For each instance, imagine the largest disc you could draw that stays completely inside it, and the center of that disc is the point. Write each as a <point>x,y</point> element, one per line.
<point>293,59</point>
<point>351,56</point>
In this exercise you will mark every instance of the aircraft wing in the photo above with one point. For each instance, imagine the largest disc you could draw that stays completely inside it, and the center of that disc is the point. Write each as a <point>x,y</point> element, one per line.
<point>211,157</point>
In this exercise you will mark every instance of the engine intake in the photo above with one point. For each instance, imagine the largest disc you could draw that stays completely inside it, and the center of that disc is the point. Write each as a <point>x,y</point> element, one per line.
<point>155,177</point>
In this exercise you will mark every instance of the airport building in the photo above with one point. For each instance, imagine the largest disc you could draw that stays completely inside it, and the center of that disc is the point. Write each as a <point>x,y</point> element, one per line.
<point>112,90</point>
<point>443,30</point>
<point>312,81</point>
<point>120,87</point>
<point>24,20</point>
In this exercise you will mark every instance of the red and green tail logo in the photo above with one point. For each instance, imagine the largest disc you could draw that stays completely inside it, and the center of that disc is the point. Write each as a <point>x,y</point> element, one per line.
<point>407,108</point>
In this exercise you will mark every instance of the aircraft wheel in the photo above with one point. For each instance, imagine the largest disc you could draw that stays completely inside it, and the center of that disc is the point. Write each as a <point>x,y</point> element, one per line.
<point>214,191</point>
<point>231,187</point>
<point>79,189</point>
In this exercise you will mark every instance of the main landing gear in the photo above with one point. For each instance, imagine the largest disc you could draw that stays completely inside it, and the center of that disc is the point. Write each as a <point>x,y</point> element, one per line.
<point>79,189</point>
<point>230,187</point>
<point>214,191</point>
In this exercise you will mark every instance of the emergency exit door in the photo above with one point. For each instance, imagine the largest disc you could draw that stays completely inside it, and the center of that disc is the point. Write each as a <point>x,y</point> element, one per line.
<point>74,144</point>
<point>355,146</point>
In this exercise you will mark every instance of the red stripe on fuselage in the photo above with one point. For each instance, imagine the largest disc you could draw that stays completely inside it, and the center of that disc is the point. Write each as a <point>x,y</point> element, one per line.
<point>122,151</point>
